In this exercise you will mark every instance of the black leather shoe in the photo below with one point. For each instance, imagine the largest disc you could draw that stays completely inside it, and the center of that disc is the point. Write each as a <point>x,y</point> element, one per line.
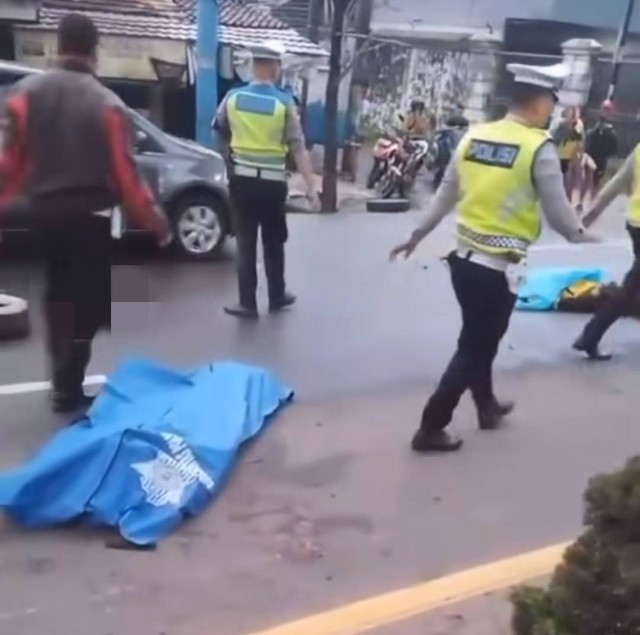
<point>504,408</point>
<point>287,300</point>
<point>491,417</point>
<point>592,351</point>
<point>239,311</point>
<point>435,441</point>
<point>63,403</point>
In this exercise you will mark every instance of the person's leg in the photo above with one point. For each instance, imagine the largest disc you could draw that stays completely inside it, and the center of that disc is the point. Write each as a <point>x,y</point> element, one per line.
<point>618,305</point>
<point>586,187</point>
<point>246,226</point>
<point>274,232</point>
<point>473,286</point>
<point>88,291</point>
<point>490,409</point>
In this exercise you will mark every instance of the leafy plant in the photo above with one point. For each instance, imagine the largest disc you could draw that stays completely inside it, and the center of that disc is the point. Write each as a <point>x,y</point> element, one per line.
<point>596,588</point>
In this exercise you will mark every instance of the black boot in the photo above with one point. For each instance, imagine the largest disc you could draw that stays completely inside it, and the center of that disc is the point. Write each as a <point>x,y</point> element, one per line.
<point>243,312</point>
<point>426,440</point>
<point>283,302</point>
<point>592,350</point>
<point>491,417</point>
<point>69,371</point>
<point>68,403</point>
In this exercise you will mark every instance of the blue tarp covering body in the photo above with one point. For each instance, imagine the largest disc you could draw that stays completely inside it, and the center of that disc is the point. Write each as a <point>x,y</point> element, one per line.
<point>543,287</point>
<point>157,446</point>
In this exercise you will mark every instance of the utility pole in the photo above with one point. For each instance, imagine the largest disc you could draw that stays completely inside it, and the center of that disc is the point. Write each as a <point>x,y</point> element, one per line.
<point>207,70</point>
<point>362,29</point>
<point>618,52</point>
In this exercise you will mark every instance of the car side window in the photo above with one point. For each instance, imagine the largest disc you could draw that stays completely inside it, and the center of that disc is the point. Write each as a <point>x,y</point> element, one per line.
<point>143,142</point>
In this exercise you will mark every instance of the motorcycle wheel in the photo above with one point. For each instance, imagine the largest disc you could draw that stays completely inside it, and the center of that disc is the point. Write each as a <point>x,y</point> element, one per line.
<point>374,175</point>
<point>387,185</point>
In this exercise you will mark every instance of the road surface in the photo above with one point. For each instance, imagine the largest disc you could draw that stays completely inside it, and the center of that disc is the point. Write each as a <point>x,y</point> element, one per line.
<point>330,506</point>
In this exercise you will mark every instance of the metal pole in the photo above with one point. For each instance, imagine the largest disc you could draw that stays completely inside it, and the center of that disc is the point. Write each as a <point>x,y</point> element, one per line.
<point>618,52</point>
<point>207,74</point>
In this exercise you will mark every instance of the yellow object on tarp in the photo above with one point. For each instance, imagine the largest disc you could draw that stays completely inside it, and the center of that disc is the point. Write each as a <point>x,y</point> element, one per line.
<point>582,289</point>
<point>585,296</point>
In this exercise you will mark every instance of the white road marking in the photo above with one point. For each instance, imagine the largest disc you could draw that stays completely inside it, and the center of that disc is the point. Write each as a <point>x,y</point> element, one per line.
<point>41,386</point>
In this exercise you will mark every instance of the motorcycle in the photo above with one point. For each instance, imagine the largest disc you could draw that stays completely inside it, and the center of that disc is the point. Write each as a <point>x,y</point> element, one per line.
<point>384,151</point>
<point>397,172</point>
<point>445,141</point>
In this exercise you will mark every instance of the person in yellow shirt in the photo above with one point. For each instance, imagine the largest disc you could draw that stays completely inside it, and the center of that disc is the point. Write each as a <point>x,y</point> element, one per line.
<point>569,138</point>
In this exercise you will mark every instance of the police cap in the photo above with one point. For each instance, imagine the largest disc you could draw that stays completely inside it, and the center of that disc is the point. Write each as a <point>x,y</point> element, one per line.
<point>546,77</point>
<point>268,50</point>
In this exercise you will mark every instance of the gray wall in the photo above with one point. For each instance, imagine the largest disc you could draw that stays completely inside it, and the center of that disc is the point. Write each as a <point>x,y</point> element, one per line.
<point>472,13</point>
<point>477,13</point>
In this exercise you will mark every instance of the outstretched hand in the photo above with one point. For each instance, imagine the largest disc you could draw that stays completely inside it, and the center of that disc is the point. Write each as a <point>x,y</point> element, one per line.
<point>406,248</point>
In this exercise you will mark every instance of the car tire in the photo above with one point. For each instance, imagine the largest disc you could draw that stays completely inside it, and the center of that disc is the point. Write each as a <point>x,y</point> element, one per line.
<point>14,318</point>
<point>193,217</point>
<point>388,205</point>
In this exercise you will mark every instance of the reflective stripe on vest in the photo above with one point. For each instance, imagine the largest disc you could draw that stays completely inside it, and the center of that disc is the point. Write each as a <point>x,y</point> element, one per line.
<point>257,118</point>
<point>633,215</point>
<point>498,210</point>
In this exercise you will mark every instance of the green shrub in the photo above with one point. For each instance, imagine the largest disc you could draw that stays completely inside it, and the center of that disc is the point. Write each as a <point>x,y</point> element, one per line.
<point>596,588</point>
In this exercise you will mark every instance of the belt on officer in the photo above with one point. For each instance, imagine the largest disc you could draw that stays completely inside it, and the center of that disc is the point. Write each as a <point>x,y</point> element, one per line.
<point>259,173</point>
<point>491,262</point>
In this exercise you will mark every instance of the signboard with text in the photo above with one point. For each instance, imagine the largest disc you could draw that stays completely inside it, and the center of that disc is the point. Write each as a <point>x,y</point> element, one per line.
<point>118,57</point>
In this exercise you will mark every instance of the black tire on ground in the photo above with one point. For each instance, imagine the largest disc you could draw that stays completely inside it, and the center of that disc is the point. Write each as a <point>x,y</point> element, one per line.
<point>14,318</point>
<point>204,212</point>
<point>388,205</point>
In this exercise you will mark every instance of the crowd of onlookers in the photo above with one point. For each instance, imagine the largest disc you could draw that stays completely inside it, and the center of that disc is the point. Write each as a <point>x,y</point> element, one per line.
<point>585,154</point>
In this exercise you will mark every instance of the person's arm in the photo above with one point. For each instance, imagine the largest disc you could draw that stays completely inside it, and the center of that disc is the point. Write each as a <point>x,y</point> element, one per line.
<point>294,140</point>
<point>621,183</point>
<point>13,149</point>
<point>549,184</point>
<point>445,200</point>
<point>134,193</point>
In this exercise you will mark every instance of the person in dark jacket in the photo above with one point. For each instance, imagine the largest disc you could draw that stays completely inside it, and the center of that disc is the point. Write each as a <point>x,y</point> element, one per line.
<point>601,146</point>
<point>67,156</point>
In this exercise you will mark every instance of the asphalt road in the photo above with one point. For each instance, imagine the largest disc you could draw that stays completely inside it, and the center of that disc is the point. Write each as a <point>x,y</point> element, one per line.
<point>330,505</point>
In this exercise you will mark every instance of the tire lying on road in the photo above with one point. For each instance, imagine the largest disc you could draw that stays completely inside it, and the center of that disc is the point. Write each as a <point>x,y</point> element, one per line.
<point>388,205</point>
<point>14,318</point>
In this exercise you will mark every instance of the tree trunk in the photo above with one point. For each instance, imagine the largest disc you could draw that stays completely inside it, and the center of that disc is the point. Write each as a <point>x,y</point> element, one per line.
<point>330,172</point>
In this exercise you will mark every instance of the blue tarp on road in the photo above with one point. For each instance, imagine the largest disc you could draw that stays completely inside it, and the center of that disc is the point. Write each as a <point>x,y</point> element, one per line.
<point>543,287</point>
<point>156,447</point>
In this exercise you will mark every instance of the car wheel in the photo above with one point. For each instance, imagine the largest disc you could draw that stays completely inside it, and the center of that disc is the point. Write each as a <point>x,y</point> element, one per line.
<point>14,318</point>
<point>200,225</point>
<point>388,205</point>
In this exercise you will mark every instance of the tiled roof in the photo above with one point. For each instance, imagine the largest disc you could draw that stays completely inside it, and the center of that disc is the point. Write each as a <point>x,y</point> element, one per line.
<point>249,16</point>
<point>240,24</point>
<point>140,7</point>
<point>166,27</point>
<point>295,43</point>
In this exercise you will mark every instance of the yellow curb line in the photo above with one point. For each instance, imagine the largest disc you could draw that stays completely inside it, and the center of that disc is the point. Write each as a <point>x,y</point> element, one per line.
<point>388,608</point>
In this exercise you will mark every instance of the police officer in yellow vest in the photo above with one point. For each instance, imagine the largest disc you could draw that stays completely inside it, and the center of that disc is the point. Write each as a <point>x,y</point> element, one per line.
<point>261,125</point>
<point>502,175</point>
<point>626,181</point>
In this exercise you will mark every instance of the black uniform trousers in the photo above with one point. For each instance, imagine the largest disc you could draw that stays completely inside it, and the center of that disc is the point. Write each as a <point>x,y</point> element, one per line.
<point>486,303</point>
<point>259,204</point>
<point>620,304</point>
<point>77,299</point>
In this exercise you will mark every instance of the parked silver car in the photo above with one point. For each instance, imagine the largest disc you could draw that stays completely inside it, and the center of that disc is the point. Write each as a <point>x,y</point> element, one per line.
<point>189,181</point>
